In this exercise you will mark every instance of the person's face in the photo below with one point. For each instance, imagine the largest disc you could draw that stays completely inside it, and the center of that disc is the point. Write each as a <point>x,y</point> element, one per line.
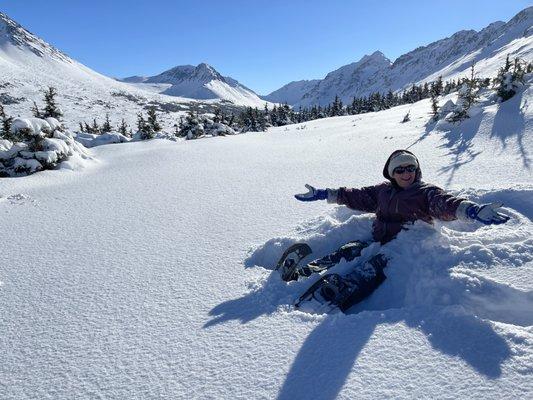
<point>404,175</point>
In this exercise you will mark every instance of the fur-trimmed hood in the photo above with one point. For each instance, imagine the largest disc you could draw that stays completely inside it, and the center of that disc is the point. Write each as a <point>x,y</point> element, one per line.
<point>418,173</point>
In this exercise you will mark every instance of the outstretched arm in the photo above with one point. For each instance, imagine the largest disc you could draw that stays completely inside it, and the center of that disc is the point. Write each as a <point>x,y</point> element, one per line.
<point>447,207</point>
<point>485,213</point>
<point>364,199</point>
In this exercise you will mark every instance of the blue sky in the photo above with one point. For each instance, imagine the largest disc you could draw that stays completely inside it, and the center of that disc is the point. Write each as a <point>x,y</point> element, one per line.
<point>263,44</point>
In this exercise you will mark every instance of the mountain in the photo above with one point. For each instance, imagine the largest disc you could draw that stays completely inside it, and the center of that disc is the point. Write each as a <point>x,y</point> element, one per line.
<point>202,82</point>
<point>291,92</point>
<point>450,57</point>
<point>28,65</point>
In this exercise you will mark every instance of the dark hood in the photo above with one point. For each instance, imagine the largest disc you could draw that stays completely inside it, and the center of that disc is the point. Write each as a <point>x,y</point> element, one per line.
<point>418,174</point>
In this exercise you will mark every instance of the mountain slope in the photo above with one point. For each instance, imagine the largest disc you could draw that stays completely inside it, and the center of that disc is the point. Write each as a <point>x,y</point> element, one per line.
<point>291,92</point>
<point>450,57</point>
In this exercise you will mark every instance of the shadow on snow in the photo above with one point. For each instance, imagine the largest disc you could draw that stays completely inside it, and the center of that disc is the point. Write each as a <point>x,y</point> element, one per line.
<point>454,312</point>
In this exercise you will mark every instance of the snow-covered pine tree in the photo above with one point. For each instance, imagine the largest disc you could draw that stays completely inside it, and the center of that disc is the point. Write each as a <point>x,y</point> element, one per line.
<point>123,128</point>
<point>144,128</point>
<point>219,115</point>
<point>141,122</point>
<point>191,127</point>
<point>437,87</point>
<point>106,127</point>
<point>434,107</point>
<point>51,108</point>
<point>36,111</point>
<point>5,126</point>
<point>152,120</point>
<point>95,128</point>
<point>467,96</point>
<point>507,82</point>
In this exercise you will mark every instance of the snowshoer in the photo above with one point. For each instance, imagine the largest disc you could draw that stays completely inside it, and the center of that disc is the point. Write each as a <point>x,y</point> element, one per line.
<point>403,199</point>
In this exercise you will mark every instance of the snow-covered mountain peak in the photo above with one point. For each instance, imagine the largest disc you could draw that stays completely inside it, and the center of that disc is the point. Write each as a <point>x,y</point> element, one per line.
<point>526,15</point>
<point>206,73</point>
<point>201,82</point>
<point>13,34</point>
<point>376,57</point>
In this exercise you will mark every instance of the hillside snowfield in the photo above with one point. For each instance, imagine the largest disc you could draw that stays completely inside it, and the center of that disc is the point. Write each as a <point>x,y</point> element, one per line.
<point>146,273</point>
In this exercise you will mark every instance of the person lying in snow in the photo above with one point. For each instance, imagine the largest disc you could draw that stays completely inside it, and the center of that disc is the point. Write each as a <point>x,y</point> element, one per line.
<point>402,200</point>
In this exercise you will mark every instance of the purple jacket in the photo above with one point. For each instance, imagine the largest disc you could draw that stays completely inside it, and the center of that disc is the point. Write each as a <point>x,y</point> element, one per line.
<point>395,206</point>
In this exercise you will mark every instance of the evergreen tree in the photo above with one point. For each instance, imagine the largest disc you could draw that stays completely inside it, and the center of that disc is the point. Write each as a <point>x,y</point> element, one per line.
<point>106,127</point>
<point>407,117</point>
<point>36,112</point>
<point>95,128</point>
<point>434,107</point>
<point>141,122</point>
<point>437,87</point>
<point>152,120</point>
<point>123,128</point>
<point>468,93</point>
<point>336,107</point>
<point>50,108</point>
<point>5,126</point>
<point>507,82</point>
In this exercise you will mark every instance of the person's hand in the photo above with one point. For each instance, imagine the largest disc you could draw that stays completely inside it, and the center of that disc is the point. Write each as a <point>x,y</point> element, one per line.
<point>487,214</point>
<point>312,194</point>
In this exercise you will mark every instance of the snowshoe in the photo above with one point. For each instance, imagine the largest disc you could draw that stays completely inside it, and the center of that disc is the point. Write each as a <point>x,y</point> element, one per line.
<point>334,291</point>
<point>288,262</point>
<point>349,251</point>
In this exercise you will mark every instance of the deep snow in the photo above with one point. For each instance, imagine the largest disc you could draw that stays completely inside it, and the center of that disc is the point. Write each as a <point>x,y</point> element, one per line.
<point>146,272</point>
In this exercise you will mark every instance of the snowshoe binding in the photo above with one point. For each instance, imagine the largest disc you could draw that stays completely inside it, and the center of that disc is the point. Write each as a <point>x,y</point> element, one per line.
<point>288,263</point>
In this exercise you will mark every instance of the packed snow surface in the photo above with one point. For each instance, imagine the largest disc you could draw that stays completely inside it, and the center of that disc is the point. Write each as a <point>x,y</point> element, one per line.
<point>147,274</point>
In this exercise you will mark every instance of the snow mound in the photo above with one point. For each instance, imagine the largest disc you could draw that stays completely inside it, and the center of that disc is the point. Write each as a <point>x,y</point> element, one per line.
<point>92,140</point>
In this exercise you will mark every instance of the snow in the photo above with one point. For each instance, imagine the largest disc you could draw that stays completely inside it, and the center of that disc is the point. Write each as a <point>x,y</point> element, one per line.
<point>148,274</point>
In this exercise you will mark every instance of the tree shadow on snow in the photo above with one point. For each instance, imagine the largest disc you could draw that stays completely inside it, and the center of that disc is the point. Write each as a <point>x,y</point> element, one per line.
<point>329,354</point>
<point>509,122</point>
<point>458,141</point>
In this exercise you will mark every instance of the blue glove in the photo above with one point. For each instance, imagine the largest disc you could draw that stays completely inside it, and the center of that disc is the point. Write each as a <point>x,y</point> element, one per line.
<point>312,194</point>
<point>487,213</point>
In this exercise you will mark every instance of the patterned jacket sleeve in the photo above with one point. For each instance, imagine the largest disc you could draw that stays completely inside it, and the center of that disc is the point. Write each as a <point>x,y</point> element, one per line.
<point>364,199</point>
<point>441,205</point>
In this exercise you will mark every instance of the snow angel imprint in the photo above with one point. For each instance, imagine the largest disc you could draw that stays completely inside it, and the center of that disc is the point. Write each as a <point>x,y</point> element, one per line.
<point>404,198</point>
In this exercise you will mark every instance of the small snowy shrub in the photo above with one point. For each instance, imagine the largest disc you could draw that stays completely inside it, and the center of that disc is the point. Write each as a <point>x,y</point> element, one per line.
<point>35,144</point>
<point>195,126</point>
<point>507,82</point>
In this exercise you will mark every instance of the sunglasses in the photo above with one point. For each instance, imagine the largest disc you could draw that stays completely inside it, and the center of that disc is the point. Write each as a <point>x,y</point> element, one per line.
<point>401,170</point>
